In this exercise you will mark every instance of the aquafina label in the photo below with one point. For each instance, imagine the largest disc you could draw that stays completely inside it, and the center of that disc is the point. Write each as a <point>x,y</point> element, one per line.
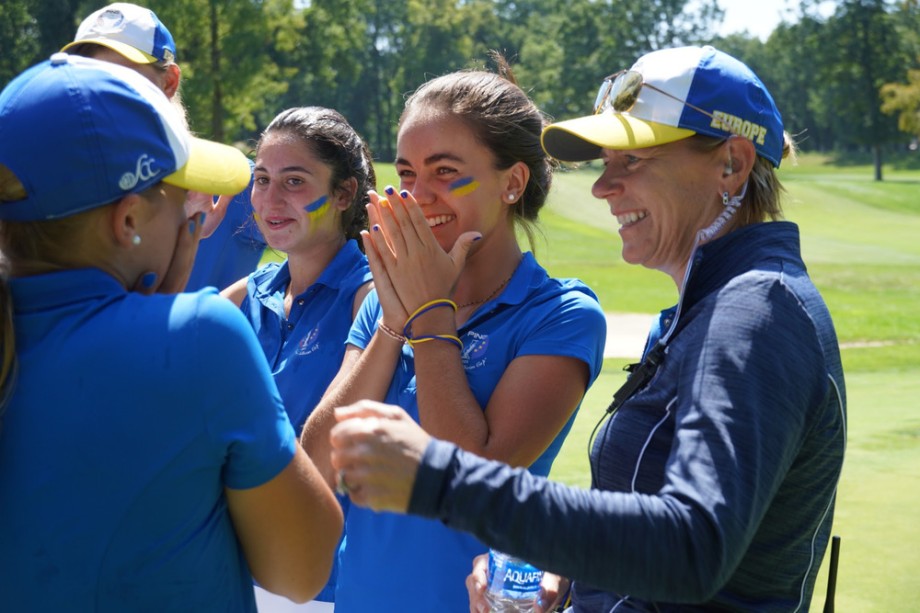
<point>514,584</point>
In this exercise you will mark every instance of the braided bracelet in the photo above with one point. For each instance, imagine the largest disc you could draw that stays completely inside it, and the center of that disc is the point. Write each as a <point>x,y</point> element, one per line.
<point>440,302</point>
<point>448,338</point>
<point>396,336</point>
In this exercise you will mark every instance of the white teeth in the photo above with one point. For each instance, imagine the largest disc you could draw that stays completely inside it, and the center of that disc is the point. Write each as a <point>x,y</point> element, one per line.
<point>438,220</point>
<point>631,217</point>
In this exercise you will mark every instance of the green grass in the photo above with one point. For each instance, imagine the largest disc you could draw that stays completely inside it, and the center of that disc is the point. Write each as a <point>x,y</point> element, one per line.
<point>861,242</point>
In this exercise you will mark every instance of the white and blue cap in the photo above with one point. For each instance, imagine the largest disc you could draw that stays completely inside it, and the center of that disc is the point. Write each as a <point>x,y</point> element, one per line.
<point>80,133</point>
<point>685,91</point>
<point>133,31</point>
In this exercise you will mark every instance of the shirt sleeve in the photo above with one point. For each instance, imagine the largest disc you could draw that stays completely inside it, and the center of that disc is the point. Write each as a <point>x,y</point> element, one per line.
<point>365,324</point>
<point>574,327</point>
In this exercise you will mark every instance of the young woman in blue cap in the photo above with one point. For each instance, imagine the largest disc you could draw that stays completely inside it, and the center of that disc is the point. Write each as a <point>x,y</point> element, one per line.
<point>465,330</point>
<point>312,177</point>
<point>146,461</point>
<point>714,479</point>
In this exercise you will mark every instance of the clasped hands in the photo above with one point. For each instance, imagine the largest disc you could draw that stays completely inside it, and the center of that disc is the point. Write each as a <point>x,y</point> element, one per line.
<point>409,265</point>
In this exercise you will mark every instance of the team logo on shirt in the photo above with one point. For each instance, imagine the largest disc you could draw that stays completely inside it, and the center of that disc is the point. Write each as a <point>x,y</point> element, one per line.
<point>475,346</point>
<point>308,344</point>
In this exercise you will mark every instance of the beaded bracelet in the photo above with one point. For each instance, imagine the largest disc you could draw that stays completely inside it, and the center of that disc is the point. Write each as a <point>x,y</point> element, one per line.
<point>448,338</point>
<point>440,302</point>
<point>396,336</point>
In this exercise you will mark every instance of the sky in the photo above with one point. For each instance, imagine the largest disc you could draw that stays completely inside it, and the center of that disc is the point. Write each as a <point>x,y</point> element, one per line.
<point>758,17</point>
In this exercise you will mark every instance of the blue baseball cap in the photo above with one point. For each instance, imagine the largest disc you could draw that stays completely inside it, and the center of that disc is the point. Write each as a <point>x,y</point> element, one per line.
<point>80,133</point>
<point>669,95</point>
<point>133,31</point>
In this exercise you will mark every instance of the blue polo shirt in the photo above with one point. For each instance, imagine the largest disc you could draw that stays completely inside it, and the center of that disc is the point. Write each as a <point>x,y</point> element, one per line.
<point>419,563</point>
<point>130,416</point>
<point>305,350</point>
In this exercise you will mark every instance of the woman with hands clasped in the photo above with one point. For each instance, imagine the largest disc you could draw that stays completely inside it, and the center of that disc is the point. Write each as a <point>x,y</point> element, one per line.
<point>464,330</point>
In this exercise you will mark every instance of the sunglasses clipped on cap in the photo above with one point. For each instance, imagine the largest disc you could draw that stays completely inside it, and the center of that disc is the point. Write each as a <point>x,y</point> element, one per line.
<point>620,91</point>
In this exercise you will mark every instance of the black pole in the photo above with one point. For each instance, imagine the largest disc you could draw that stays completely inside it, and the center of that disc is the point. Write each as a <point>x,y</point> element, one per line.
<point>832,575</point>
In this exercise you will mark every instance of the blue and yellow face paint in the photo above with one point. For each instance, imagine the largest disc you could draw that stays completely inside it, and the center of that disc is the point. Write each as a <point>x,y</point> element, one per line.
<point>463,186</point>
<point>317,208</point>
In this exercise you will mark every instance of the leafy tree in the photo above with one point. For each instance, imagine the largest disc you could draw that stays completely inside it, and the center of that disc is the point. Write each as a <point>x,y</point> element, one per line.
<point>862,52</point>
<point>904,99</point>
<point>19,32</point>
<point>899,98</point>
<point>222,48</point>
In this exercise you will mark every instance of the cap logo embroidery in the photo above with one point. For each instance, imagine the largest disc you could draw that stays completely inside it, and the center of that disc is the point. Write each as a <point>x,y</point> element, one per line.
<point>143,172</point>
<point>731,123</point>
<point>111,20</point>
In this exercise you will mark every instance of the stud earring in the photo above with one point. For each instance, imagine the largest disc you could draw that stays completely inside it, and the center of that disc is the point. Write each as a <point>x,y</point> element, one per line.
<point>512,197</point>
<point>136,239</point>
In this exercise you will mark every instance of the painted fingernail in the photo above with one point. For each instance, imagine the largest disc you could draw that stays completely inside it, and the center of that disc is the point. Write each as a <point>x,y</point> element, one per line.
<point>149,279</point>
<point>389,190</point>
<point>404,194</point>
<point>376,228</point>
<point>191,226</point>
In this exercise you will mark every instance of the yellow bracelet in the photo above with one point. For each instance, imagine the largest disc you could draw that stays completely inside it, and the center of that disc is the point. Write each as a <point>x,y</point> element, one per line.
<point>449,338</point>
<point>433,304</point>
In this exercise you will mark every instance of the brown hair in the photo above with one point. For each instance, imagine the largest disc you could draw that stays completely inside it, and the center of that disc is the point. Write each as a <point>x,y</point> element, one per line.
<point>503,119</point>
<point>332,139</point>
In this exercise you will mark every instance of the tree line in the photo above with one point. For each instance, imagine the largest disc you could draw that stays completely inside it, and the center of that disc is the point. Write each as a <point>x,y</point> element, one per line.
<point>845,82</point>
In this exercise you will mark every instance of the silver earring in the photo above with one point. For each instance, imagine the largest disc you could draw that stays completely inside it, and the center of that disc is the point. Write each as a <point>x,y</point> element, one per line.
<point>136,239</point>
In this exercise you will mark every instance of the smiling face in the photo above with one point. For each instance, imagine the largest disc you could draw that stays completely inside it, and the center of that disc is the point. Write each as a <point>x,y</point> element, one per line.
<point>453,178</point>
<point>661,196</point>
<point>290,195</point>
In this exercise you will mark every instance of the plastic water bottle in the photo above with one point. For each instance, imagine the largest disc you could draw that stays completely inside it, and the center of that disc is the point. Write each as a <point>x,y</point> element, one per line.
<point>513,584</point>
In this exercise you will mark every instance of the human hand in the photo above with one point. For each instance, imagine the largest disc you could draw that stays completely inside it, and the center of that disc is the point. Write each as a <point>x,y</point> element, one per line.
<point>394,311</point>
<point>214,210</point>
<point>176,276</point>
<point>418,267</point>
<point>376,450</point>
<point>476,583</point>
<point>553,588</point>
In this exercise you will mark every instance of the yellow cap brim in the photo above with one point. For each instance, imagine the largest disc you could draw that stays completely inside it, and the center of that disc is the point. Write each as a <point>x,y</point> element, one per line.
<point>130,53</point>
<point>581,139</point>
<point>212,168</point>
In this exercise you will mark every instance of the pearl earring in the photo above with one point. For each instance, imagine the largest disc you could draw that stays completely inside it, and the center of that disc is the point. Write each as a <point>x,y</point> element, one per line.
<point>136,239</point>
<point>512,197</point>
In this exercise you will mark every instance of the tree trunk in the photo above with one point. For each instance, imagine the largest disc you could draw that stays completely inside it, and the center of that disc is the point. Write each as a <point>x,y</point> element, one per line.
<point>877,158</point>
<point>217,103</point>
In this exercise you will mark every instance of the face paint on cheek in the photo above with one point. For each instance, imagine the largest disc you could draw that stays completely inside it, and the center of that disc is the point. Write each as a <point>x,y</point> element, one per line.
<point>317,204</point>
<point>463,186</point>
<point>317,208</point>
